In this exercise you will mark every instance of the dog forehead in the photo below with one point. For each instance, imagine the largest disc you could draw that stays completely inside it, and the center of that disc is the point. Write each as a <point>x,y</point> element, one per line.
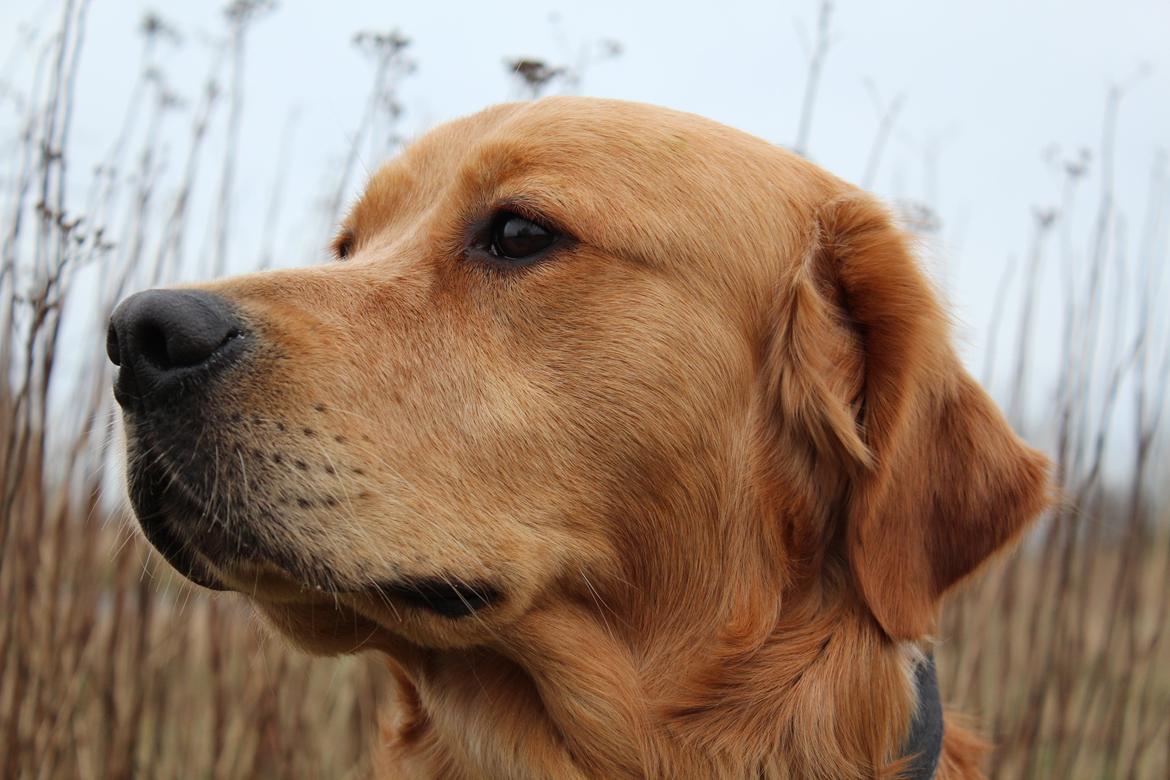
<point>580,143</point>
<point>611,146</point>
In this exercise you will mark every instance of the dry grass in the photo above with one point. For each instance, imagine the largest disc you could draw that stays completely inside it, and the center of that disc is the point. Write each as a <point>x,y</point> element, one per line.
<point>109,667</point>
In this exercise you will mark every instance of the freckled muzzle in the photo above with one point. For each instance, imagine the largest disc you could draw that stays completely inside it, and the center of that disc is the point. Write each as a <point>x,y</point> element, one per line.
<point>238,490</point>
<point>238,471</point>
<point>209,483</point>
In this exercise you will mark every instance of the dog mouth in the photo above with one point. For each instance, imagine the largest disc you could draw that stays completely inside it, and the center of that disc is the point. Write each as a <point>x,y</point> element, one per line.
<point>440,596</point>
<point>152,501</point>
<point>222,559</point>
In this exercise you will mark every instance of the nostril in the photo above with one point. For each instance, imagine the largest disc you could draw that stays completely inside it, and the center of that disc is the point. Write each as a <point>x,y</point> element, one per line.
<point>166,347</point>
<point>112,350</point>
<point>151,340</point>
<point>184,348</point>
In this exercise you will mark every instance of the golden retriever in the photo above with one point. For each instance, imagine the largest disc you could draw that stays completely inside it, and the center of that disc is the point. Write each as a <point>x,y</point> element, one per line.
<point>636,443</point>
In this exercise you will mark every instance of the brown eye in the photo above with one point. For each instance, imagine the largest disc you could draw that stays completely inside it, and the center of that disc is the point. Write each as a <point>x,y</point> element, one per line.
<point>343,245</point>
<point>518,239</point>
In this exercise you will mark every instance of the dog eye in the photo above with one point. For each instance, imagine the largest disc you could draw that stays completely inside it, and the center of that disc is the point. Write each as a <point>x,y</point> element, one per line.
<point>515,238</point>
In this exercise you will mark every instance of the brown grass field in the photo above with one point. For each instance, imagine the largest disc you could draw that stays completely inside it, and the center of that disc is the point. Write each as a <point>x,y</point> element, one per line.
<point>111,667</point>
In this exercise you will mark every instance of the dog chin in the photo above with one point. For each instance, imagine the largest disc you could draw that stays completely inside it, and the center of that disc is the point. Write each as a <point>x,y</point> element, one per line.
<point>327,629</point>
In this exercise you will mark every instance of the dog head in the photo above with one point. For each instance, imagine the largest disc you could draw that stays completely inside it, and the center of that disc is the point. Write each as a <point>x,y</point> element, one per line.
<point>576,352</point>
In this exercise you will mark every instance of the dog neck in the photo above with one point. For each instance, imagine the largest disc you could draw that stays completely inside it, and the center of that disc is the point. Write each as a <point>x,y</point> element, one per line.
<point>821,694</point>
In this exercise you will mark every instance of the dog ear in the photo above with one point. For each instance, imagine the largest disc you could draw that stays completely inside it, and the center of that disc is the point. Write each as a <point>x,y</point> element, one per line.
<point>937,481</point>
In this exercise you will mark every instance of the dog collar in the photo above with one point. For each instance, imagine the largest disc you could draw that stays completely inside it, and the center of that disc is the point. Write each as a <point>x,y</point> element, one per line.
<point>923,746</point>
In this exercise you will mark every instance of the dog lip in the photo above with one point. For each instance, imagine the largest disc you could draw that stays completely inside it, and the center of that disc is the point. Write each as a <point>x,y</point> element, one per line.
<point>448,599</point>
<point>158,509</point>
<point>155,523</point>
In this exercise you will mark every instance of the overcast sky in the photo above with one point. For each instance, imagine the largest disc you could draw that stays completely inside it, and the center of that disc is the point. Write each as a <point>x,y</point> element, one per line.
<point>995,93</point>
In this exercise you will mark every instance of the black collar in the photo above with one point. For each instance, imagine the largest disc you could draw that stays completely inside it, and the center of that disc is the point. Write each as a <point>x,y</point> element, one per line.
<point>924,744</point>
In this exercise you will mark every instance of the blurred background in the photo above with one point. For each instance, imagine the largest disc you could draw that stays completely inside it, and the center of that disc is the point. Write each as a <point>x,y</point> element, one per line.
<point>1025,144</point>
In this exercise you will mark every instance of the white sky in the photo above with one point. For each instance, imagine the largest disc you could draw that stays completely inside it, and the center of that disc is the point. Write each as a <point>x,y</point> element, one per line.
<point>988,87</point>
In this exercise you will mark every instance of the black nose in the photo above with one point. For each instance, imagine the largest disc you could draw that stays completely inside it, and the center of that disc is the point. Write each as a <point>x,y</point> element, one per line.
<point>164,340</point>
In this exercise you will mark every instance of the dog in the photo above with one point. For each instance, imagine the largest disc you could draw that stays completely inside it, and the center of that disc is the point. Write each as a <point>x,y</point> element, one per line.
<point>635,443</point>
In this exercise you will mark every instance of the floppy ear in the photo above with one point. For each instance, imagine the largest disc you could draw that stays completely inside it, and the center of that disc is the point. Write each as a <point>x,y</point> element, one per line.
<point>937,481</point>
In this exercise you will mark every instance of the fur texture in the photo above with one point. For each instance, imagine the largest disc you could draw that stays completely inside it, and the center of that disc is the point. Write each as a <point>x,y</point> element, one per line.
<point>715,451</point>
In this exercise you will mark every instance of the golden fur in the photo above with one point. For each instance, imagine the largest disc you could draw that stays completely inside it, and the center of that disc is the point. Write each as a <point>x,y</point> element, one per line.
<point>716,451</point>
